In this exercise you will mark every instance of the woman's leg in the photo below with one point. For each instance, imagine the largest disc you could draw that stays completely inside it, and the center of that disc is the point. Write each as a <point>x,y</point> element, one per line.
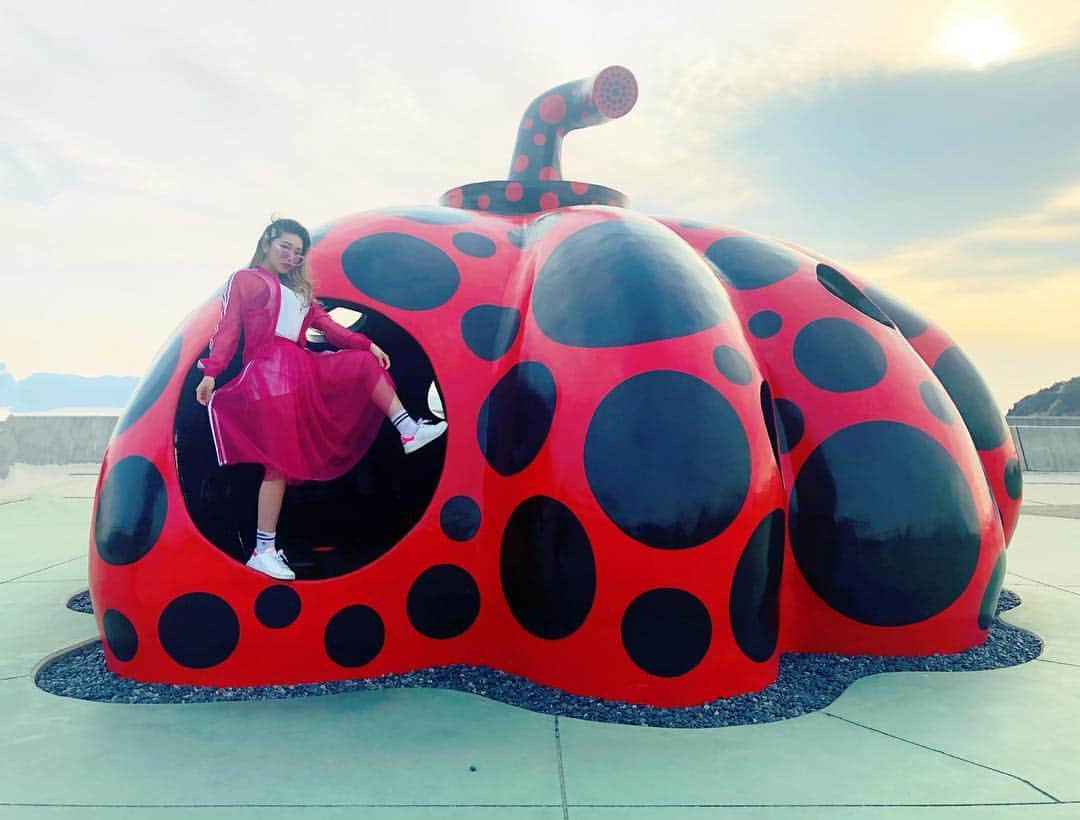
<point>271,493</point>
<point>414,435</point>
<point>386,399</point>
<point>267,558</point>
<point>383,394</point>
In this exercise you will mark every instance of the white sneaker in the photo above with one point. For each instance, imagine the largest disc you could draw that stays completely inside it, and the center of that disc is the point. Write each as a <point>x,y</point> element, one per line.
<point>272,563</point>
<point>426,432</point>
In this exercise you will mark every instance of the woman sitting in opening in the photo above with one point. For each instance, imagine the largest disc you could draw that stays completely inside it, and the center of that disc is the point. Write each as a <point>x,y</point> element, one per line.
<point>304,416</point>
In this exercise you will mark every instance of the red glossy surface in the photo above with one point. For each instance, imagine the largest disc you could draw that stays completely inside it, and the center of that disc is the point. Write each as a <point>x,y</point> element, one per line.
<point>593,659</point>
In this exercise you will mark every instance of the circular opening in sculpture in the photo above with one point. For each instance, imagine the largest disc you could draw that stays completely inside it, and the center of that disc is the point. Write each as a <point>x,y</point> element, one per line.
<point>327,528</point>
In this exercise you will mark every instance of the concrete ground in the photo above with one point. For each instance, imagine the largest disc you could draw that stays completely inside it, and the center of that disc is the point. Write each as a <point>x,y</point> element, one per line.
<point>997,744</point>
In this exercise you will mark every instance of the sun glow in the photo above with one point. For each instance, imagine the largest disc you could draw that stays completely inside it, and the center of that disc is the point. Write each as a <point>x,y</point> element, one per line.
<point>979,42</point>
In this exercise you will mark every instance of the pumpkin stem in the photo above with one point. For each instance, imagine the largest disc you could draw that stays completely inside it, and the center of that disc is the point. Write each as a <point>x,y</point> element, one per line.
<point>594,100</point>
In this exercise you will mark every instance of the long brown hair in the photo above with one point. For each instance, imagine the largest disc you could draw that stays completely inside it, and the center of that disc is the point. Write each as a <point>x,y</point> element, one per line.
<point>297,278</point>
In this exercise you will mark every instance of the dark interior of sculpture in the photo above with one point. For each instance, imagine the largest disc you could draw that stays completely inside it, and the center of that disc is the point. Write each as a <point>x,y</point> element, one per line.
<point>326,528</point>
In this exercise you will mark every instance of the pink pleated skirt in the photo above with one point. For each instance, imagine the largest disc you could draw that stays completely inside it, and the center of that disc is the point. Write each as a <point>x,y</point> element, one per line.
<point>307,415</point>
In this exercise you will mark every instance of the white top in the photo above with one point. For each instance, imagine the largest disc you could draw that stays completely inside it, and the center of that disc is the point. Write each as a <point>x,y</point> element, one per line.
<point>291,315</point>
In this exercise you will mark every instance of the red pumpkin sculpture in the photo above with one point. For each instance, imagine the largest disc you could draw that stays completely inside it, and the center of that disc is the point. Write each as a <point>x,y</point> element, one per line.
<point>674,451</point>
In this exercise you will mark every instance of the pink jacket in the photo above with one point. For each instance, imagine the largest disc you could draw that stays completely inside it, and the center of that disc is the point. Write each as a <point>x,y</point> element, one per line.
<point>250,302</point>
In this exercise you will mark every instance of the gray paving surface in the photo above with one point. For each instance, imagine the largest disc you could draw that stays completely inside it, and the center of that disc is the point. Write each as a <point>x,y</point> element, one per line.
<point>997,744</point>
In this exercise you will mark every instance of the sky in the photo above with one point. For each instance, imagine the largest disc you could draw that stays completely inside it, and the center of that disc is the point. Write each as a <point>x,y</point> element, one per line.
<point>934,153</point>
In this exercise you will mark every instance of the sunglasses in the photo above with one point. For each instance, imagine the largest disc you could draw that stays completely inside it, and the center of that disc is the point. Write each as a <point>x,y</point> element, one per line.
<point>294,254</point>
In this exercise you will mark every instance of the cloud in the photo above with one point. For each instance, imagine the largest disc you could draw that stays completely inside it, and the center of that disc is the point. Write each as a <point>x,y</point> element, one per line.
<point>865,163</point>
<point>143,145</point>
<point>1007,291</point>
<point>1027,246</point>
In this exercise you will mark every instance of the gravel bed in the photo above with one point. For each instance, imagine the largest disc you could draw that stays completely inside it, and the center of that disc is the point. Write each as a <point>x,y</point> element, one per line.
<point>80,602</point>
<point>806,682</point>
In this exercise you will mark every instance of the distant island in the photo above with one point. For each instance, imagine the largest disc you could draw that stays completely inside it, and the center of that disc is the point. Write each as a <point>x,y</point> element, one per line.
<point>1059,399</point>
<point>40,392</point>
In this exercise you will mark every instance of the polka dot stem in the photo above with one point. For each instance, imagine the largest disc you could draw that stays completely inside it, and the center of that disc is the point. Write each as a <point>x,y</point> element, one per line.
<point>594,100</point>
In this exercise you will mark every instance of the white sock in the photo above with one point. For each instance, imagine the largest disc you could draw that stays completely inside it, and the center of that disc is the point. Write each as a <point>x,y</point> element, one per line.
<point>264,541</point>
<point>405,424</point>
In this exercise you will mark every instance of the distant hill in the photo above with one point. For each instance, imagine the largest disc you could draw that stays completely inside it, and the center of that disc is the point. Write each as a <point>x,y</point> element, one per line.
<point>1059,399</point>
<point>48,391</point>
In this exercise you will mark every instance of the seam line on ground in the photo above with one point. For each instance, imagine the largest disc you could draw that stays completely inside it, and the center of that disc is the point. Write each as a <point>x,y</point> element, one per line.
<point>943,752</point>
<point>284,805</point>
<point>1059,663</point>
<point>523,805</point>
<point>1043,583</point>
<point>51,566</point>
<point>562,776</point>
<point>1066,512</point>
<point>816,805</point>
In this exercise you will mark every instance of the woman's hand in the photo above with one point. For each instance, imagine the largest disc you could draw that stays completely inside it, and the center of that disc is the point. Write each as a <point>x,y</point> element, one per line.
<point>205,388</point>
<point>381,356</point>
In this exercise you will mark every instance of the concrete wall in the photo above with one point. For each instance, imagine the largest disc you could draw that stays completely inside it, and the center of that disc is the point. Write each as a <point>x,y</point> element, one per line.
<point>1047,444</point>
<point>1044,444</point>
<point>53,439</point>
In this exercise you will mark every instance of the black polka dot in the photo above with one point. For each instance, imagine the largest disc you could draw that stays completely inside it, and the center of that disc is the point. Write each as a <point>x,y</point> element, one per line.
<point>972,398</point>
<point>354,636</point>
<point>907,321</point>
<point>443,602</point>
<point>198,630</point>
<point>400,270</point>
<point>540,226</point>
<point>151,385</point>
<point>765,323</point>
<point>837,355</point>
<point>130,512</point>
<point>666,482</point>
<point>277,606</point>
<point>754,603</point>
<point>120,635</point>
<point>1014,479</point>
<point>883,524</point>
<point>546,567</point>
<point>460,518</point>
<point>524,235</point>
<point>666,632</point>
<point>622,282</point>
<point>731,364</point>
<point>489,330</point>
<point>515,417</point>
<point>988,605</point>
<point>747,263</point>
<point>474,244</point>
<point>993,500</point>
<point>841,287</point>
<point>430,214</point>
<point>790,424</point>
<point>936,402</point>
<point>769,415</point>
